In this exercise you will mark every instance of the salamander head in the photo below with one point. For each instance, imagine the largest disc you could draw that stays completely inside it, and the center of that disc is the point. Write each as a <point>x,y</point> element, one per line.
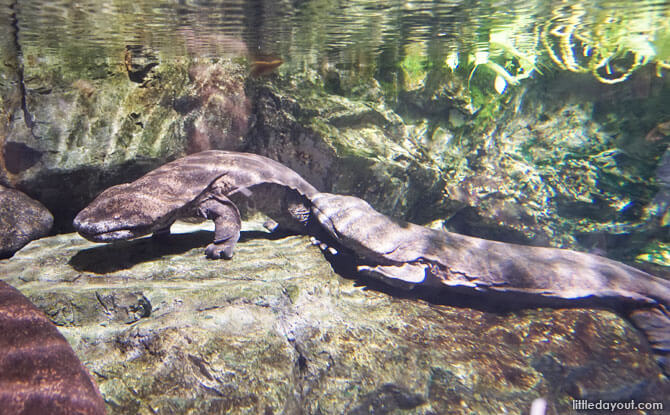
<point>117,214</point>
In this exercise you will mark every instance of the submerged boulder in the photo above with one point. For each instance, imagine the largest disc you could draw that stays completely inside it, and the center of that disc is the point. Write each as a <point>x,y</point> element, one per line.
<point>346,145</point>
<point>81,132</point>
<point>22,220</point>
<point>277,330</point>
<point>112,129</point>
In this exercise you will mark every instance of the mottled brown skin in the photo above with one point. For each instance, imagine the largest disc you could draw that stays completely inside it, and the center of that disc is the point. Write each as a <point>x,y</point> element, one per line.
<point>405,254</point>
<point>209,184</point>
<point>39,372</point>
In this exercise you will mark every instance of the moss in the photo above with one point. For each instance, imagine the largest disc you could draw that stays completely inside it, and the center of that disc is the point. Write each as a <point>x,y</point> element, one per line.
<point>415,67</point>
<point>487,104</point>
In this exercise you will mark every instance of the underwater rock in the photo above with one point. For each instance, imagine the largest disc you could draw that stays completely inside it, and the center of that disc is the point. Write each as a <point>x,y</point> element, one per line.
<point>276,330</point>
<point>218,107</point>
<point>90,133</point>
<point>550,173</point>
<point>22,220</point>
<point>97,122</point>
<point>346,146</point>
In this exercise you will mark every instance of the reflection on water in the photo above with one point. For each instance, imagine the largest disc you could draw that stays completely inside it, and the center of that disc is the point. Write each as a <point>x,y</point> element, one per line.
<point>607,38</point>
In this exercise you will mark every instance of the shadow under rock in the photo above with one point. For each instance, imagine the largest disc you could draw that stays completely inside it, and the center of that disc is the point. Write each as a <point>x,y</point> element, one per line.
<point>123,255</point>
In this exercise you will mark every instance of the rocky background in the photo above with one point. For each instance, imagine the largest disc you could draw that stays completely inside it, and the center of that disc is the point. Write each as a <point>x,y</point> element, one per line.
<point>276,330</point>
<point>558,160</point>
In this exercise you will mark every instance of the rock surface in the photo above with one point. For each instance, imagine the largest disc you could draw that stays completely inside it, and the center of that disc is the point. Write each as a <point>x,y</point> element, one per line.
<point>523,167</point>
<point>348,146</point>
<point>22,219</point>
<point>276,331</point>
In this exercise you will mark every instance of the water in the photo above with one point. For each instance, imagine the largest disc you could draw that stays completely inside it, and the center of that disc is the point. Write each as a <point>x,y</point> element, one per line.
<point>598,52</point>
<point>536,123</point>
<point>595,52</point>
<point>343,33</point>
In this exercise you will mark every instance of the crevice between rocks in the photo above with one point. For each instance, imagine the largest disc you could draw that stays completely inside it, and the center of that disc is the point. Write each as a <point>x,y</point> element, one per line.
<point>14,23</point>
<point>300,373</point>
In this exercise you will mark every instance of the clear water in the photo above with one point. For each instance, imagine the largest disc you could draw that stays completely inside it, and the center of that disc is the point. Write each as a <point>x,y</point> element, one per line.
<point>548,120</point>
<point>601,51</point>
<point>341,32</point>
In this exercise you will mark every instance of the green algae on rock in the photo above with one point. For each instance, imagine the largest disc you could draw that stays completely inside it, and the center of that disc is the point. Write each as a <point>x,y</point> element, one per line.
<point>164,330</point>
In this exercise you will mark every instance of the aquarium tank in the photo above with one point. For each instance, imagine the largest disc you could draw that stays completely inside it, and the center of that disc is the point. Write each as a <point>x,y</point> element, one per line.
<point>335,207</point>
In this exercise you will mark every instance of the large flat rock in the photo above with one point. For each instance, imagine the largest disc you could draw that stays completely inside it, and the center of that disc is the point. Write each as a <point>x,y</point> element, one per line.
<point>276,330</point>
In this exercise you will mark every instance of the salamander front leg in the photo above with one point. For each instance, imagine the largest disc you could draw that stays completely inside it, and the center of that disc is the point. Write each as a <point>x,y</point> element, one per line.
<point>227,224</point>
